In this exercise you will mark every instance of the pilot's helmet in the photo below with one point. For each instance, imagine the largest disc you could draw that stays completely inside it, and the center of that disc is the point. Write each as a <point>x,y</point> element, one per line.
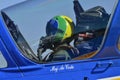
<point>61,27</point>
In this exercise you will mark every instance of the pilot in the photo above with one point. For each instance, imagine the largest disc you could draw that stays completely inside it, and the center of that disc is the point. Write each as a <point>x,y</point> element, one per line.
<point>59,31</point>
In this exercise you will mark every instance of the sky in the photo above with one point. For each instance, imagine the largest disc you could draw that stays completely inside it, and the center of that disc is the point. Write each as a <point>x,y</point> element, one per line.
<point>32,17</point>
<point>6,3</point>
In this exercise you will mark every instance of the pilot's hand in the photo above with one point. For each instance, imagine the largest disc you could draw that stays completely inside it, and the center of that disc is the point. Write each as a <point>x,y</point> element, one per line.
<point>40,52</point>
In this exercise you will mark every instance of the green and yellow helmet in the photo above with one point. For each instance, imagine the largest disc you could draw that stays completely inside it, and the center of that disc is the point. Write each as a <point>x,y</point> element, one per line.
<point>61,27</point>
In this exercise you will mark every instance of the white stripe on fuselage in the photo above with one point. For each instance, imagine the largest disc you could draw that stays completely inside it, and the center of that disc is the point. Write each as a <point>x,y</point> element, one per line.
<point>111,78</point>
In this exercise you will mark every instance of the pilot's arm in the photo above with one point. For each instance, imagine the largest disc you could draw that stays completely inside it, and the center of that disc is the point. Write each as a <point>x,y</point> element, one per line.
<point>44,44</point>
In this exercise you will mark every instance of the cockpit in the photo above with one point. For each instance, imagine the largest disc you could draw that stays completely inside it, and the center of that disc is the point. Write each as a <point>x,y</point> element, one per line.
<point>49,31</point>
